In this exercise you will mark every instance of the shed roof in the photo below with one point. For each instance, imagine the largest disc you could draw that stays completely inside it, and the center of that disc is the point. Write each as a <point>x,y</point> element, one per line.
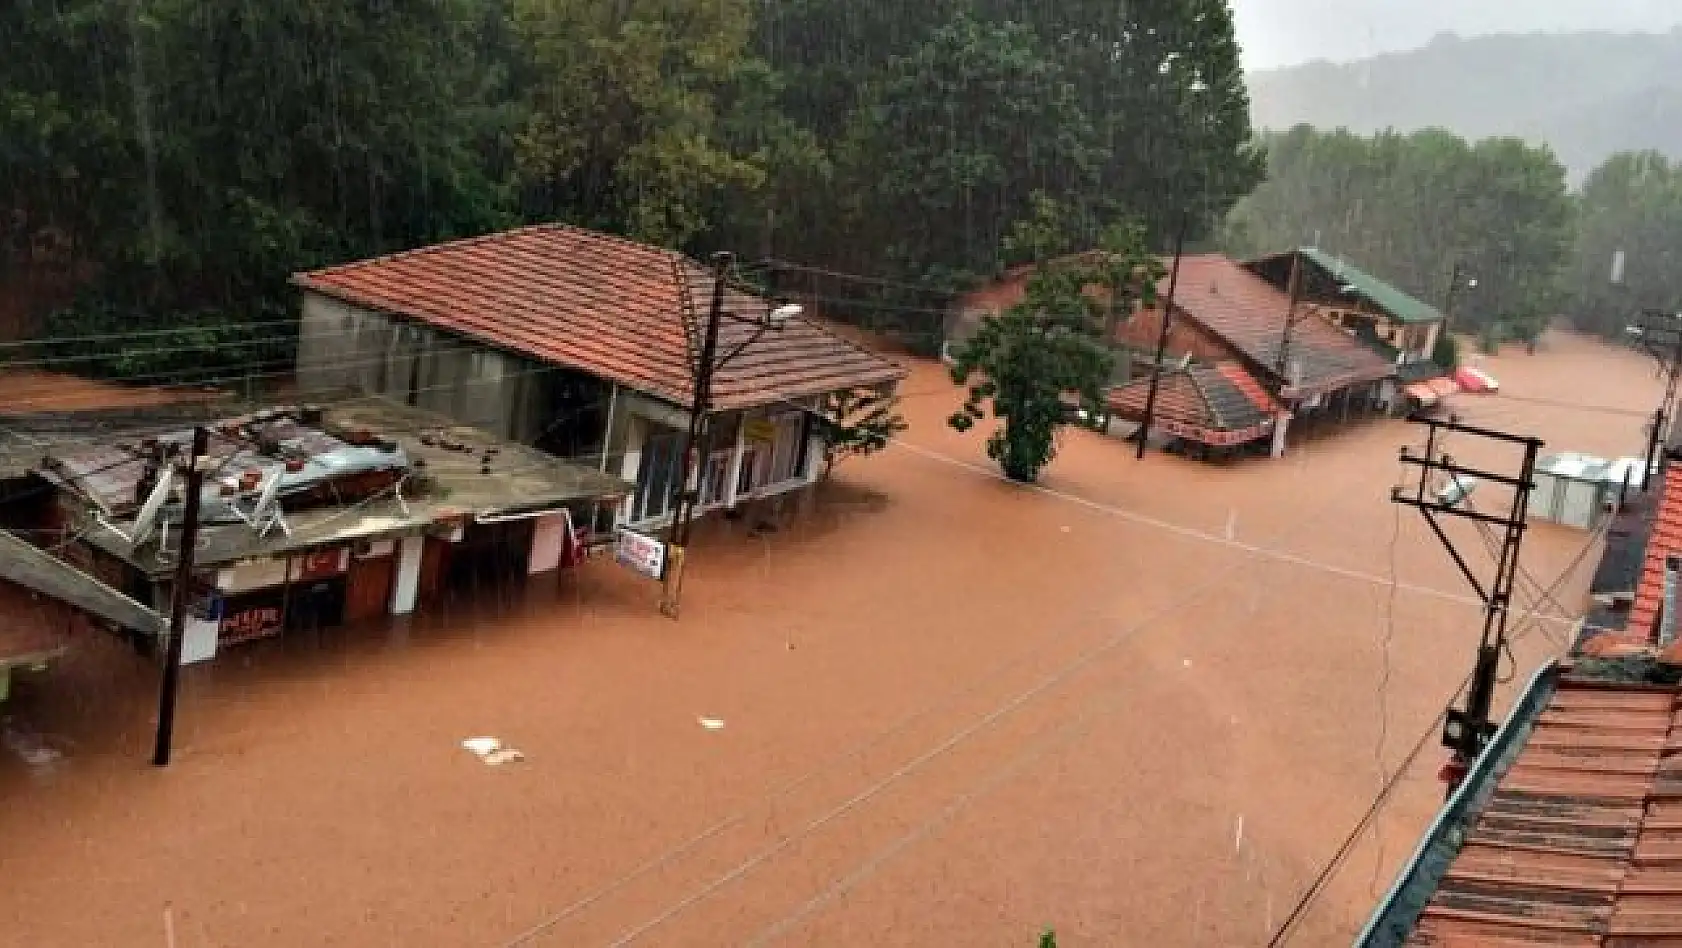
<point>614,308</point>
<point>1250,314</point>
<point>1394,302</point>
<point>30,567</point>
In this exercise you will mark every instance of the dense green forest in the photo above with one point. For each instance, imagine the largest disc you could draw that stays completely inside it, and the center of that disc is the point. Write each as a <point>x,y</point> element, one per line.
<point>182,158</point>
<point>177,160</point>
<point>1411,207</point>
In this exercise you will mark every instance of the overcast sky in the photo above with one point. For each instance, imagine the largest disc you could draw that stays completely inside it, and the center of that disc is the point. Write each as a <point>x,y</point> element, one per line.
<point>1285,32</point>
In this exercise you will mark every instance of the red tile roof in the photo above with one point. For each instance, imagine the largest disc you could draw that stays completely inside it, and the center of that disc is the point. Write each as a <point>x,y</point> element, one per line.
<point>1581,840</point>
<point>611,307</point>
<point>1666,540</point>
<point>1216,401</point>
<point>1249,313</point>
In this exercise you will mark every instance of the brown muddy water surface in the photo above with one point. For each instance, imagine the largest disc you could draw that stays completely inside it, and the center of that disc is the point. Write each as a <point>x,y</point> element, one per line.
<point>1142,704</point>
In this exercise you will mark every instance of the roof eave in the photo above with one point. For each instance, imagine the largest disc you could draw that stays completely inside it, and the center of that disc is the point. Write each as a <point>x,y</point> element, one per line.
<point>1393,921</point>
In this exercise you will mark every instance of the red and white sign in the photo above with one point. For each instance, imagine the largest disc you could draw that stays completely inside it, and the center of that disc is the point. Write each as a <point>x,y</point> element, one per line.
<point>321,564</point>
<point>1212,437</point>
<point>640,552</point>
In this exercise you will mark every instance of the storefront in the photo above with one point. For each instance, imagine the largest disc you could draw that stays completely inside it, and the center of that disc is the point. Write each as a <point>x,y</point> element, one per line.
<point>746,455</point>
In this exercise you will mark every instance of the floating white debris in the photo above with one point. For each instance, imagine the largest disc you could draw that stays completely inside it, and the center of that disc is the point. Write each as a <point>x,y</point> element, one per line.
<point>481,746</point>
<point>711,724</point>
<point>1188,663</point>
<point>1068,529</point>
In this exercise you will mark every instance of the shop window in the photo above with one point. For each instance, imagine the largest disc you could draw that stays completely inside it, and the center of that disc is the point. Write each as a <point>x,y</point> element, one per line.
<point>785,448</point>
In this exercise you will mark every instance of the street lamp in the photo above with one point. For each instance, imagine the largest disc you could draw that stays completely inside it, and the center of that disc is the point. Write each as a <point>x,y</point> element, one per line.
<point>706,367</point>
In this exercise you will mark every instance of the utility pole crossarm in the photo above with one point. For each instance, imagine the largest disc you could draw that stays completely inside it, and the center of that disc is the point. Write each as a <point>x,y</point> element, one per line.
<point>1467,732</point>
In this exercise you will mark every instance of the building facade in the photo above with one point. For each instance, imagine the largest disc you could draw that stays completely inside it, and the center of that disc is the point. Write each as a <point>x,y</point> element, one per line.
<point>585,345</point>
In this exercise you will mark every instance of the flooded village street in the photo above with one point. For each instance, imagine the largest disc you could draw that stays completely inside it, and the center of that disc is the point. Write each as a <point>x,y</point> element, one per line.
<point>1146,696</point>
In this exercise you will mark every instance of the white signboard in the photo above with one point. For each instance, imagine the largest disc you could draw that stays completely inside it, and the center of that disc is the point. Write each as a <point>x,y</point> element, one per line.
<point>548,535</point>
<point>252,574</point>
<point>640,552</point>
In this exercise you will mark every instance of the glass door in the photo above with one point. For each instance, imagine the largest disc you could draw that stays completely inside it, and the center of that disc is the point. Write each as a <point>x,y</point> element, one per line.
<point>659,476</point>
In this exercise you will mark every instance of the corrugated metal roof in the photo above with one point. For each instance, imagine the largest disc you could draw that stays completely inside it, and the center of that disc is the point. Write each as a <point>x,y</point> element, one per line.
<point>1250,314</point>
<point>617,309</point>
<point>1581,841</point>
<point>1399,305</point>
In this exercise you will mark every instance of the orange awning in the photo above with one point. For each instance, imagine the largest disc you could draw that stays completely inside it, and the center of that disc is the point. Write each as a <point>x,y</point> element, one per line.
<point>1421,392</point>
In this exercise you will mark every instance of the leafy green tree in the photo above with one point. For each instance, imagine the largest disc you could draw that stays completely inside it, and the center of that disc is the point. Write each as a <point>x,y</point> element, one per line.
<point>1044,357</point>
<point>1412,207</point>
<point>1048,939</point>
<point>216,148</point>
<point>1446,353</point>
<point>1133,110</point>
<point>1631,205</point>
<point>857,423</point>
<point>622,127</point>
<point>940,147</point>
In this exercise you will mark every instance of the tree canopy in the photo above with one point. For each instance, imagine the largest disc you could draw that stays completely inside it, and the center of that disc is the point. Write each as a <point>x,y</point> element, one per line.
<point>1415,206</point>
<point>179,159</point>
<point>1631,205</point>
<point>1034,365</point>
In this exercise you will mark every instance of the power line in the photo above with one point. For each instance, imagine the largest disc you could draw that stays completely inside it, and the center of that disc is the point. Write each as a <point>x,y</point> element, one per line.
<point>774,264</point>
<point>1347,846</point>
<point>1213,584</point>
<point>1526,625</point>
<point>735,819</point>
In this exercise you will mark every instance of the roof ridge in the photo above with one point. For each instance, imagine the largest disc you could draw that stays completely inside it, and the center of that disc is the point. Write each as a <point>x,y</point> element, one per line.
<point>498,236</point>
<point>1203,393</point>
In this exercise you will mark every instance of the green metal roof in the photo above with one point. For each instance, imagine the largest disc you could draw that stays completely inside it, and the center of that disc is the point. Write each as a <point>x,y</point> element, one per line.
<point>1399,305</point>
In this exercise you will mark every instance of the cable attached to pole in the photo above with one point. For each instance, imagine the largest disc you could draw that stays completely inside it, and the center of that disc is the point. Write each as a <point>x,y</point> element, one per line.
<point>182,598</point>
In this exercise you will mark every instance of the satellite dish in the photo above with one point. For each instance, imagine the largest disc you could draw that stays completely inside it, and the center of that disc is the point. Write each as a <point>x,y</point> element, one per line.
<point>148,517</point>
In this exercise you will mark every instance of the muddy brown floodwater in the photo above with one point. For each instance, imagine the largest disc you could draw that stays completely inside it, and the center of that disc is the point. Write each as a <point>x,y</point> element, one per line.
<point>1142,704</point>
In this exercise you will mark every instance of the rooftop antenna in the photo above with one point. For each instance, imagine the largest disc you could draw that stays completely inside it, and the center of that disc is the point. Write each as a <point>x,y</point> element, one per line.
<point>268,506</point>
<point>266,514</point>
<point>147,519</point>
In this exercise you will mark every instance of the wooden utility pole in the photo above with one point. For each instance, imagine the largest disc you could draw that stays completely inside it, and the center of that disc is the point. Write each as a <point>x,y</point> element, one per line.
<point>1162,336</point>
<point>693,463</point>
<point>1295,290</point>
<point>183,597</point>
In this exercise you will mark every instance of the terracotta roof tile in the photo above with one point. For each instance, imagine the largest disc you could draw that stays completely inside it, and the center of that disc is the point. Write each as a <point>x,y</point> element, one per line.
<point>1249,313</point>
<point>1581,840</point>
<point>1666,540</point>
<point>617,309</point>
<point>1219,400</point>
